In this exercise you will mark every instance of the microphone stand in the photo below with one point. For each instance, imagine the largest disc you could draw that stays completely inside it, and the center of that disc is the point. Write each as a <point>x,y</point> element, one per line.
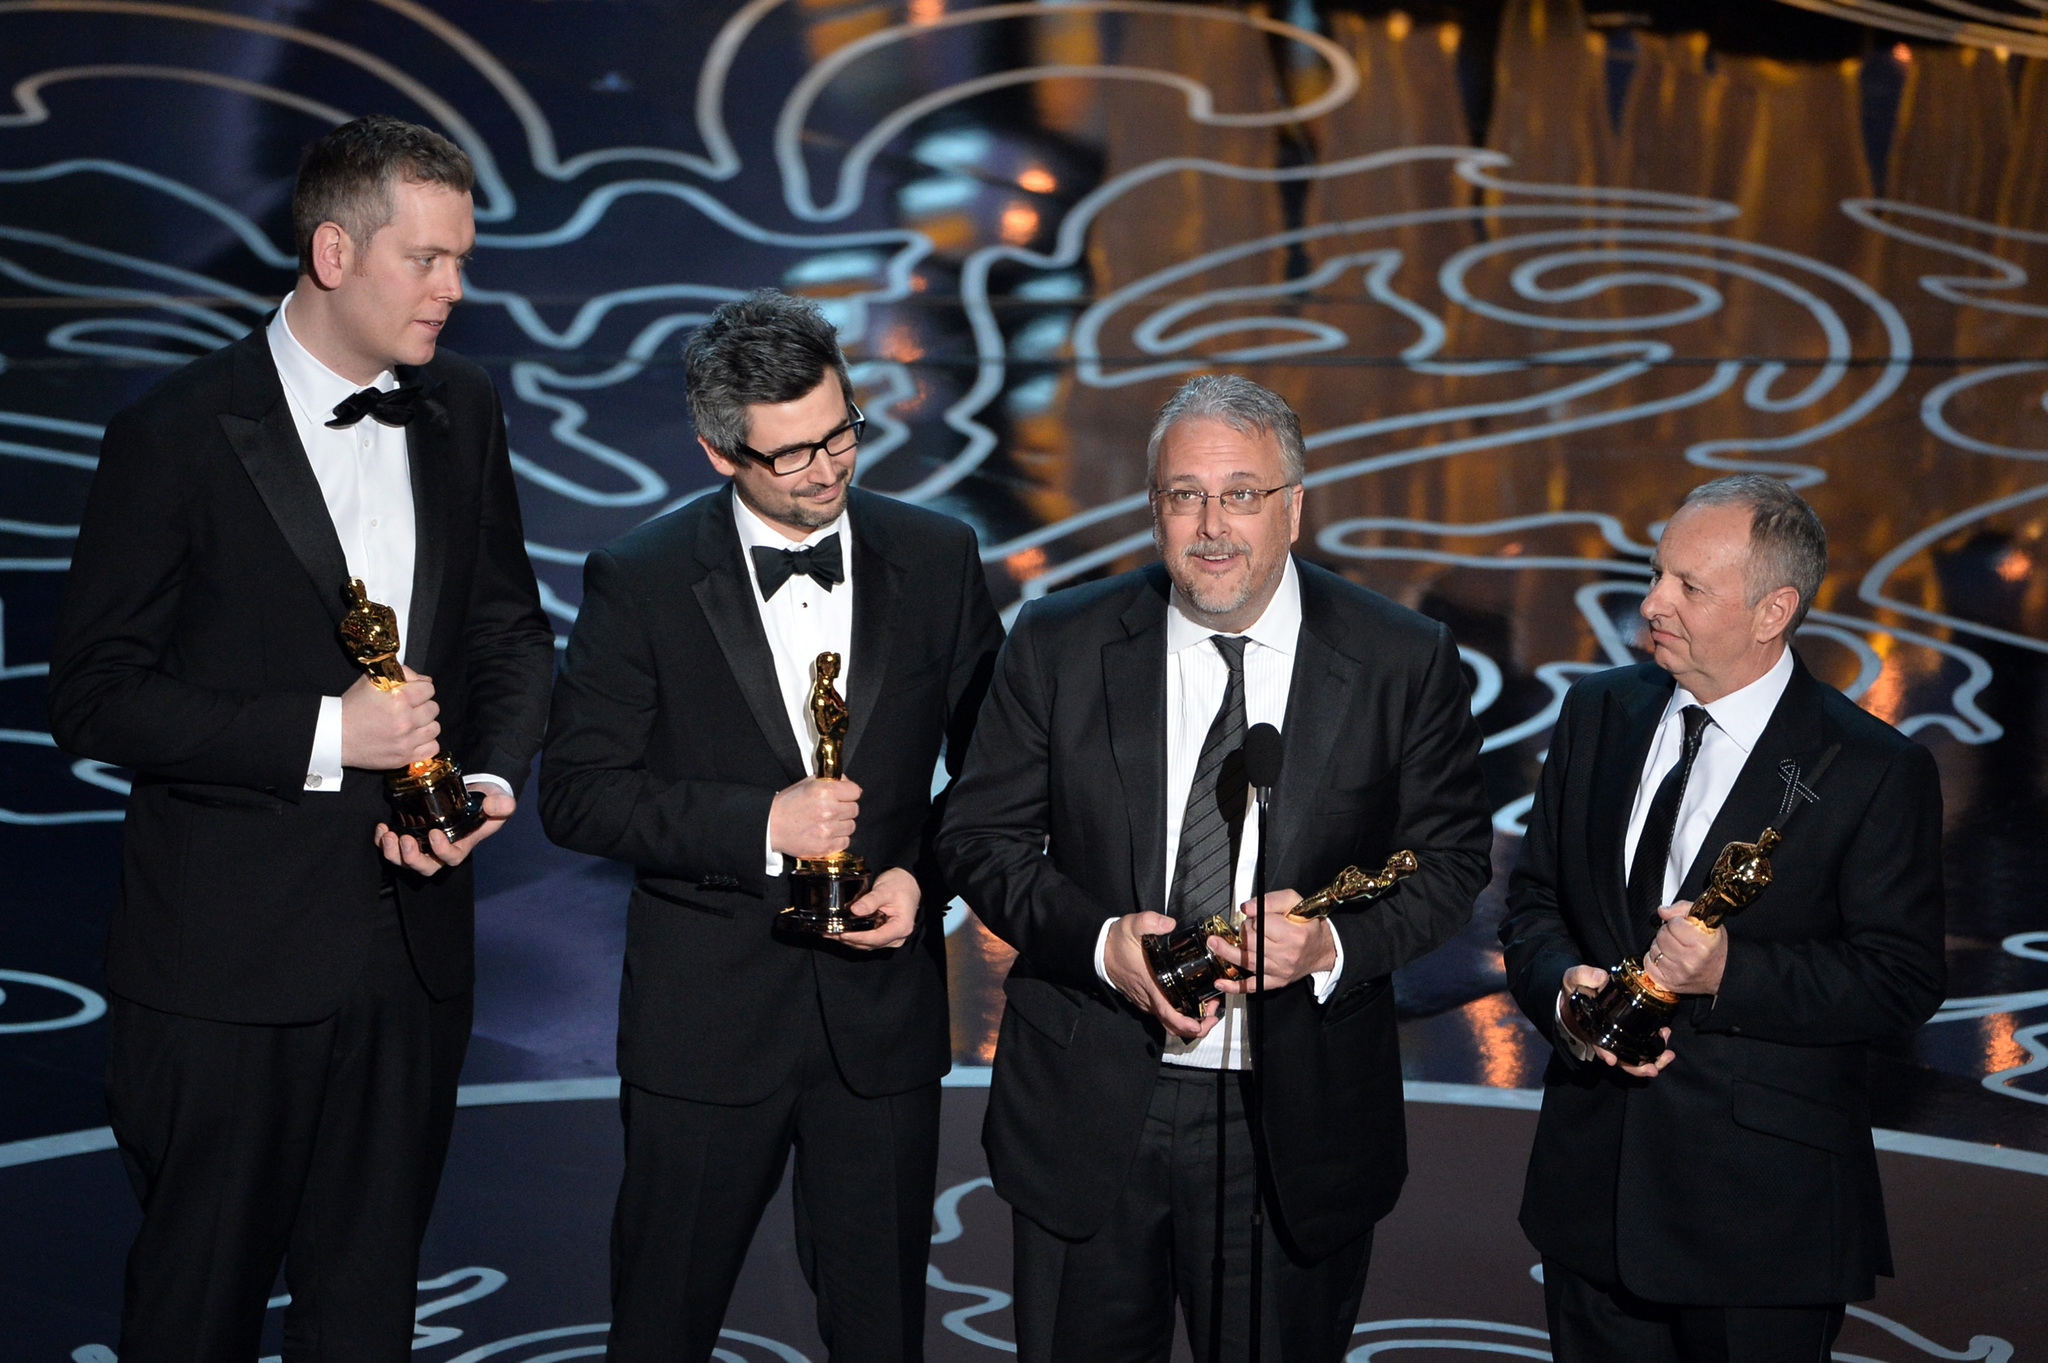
<point>1255,1109</point>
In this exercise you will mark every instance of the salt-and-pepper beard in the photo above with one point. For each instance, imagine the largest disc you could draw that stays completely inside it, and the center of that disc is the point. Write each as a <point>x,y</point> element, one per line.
<point>1188,586</point>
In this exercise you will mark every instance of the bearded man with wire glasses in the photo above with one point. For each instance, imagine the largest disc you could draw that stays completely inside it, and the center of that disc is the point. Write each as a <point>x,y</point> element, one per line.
<point>1100,803</point>
<point>681,742</point>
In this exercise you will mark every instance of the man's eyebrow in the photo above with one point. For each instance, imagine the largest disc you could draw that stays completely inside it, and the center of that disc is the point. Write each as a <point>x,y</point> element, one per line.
<point>795,445</point>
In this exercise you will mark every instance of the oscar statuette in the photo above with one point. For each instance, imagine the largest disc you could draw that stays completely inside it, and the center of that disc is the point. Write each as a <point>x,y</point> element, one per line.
<point>427,794</point>
<point>823,889</point>
<point>1629,1013</point>
<point>1187,971</point>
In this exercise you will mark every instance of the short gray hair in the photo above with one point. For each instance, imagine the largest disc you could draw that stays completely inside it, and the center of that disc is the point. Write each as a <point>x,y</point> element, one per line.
<point>765,347</point>
<point>1788,546</point>
<point>1237,402</point>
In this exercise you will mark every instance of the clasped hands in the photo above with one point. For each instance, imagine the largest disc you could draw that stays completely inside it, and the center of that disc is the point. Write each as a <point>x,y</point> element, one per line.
<point>815,818</point>
<point>385,730</point>
<point>1293,951</point>
<point>1685,958</point>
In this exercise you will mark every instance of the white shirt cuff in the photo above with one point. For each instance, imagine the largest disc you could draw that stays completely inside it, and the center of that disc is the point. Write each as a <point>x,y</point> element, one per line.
<point>484,778</point>
<point>1102,954</point>
<point>1324,982</point>
<point>323,766</point>
<point>772,862</point>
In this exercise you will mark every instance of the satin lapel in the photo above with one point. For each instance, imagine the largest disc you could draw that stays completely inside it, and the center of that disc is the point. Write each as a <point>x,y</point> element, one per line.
<point>266,440</point>
<point>1318,695</point>
<point>1134,688</point>
<point>428,458</point>
<point>726,596</point>
<point>876,585</point>
<point>1795,731</point>
<point>1627,724</point>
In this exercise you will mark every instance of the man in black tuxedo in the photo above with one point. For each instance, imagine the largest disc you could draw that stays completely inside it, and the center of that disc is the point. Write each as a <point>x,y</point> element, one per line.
<point>681,742</point>
<point>1103,799</point>
<point>292,980</point>
<point>1722,1202</point>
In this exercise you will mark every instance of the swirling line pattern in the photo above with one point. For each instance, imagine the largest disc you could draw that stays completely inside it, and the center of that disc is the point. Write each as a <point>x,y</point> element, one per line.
<point>1530,311</point>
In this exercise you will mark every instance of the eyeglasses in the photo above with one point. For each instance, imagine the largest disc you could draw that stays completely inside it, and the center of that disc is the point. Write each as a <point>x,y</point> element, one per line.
<point>1238,501</point>
<point>797,458</point>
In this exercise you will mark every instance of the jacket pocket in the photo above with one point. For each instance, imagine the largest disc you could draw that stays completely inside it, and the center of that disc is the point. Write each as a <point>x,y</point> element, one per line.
<point>672,892</point>
<point>1349,1001</point>
<point>1044,1008</point>
<point>1796,1117</point>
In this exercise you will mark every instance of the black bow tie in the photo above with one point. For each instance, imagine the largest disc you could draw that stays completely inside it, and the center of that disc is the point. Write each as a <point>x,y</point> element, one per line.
<point>820,562</point>
<point>394,408</point>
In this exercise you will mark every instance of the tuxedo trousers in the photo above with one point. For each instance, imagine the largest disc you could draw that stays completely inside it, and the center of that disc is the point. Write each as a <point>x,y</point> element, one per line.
<point>1110,1298</point>
<point>317,1146</point>
<point>1594,1323</point>
<point>699,1176</point>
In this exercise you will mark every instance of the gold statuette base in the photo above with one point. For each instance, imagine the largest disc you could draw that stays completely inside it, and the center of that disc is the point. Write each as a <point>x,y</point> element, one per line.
<point>1186,971</point>
<point>1626,1017</point>
<point>431,794</point>
<point>822,892</point>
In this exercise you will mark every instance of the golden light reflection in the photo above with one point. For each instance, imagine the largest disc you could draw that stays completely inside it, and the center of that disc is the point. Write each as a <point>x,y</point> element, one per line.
<point>1500,1038</point>
<point>1038,180</point>
<point>1399,25</point>
<point>900,344</point>
<point>926,11</point>
<point>2001,1051</point>
<point>1026,564</point>
<point>1020,224</point>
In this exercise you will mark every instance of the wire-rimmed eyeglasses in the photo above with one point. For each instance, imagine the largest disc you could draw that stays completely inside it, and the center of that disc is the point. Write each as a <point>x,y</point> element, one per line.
<point>1192,501</point>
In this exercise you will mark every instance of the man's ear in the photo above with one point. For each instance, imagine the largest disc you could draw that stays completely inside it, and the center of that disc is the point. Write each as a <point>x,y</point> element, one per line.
<point>333,255</point>
<point>1774,613</point>
<point>726,467</point>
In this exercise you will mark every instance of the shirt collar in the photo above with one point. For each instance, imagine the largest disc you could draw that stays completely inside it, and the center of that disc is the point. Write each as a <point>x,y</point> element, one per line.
<point>1277,628</point>
<point>756,532</point>
<point>1743,714</point>
<point>312,384</point>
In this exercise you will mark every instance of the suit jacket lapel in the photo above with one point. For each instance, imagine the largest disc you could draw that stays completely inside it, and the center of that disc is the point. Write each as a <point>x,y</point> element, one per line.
<point>1794,731</point>
<point>725,594</point>
<point>1134,689</point>
<point>261,431</point>
<point>428,461</point>
<point>1318,691</point>
<point>1627,725</point>
<point>876,585</point>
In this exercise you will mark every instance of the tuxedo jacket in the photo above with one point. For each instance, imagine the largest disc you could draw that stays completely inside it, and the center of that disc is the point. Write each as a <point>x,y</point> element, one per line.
<point>1058,822</point>
<point>1743,1175</point>
<point>197,633</point>
<point>667,743</point>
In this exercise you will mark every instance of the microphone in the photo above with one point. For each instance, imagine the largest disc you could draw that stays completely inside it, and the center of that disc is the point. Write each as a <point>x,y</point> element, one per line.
<point>1262,756</point>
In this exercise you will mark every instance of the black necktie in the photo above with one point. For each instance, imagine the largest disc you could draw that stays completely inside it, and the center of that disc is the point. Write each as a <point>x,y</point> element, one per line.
<point>1646,876</point>
<point>820,562</point>
<point>1214,821</point>
<point>394,408</point>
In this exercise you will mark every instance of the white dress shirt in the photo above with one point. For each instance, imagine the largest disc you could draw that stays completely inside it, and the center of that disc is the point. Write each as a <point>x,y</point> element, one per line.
<point>802,620</point>
<point>1196,679</point>
<point>1738,721</point>
<point>366,482</point>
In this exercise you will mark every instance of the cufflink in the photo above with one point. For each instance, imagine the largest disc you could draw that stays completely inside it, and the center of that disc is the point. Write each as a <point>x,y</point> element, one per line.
<point>313,779</point>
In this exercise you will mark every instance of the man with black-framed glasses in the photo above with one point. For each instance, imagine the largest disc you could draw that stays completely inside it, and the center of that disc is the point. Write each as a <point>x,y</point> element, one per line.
<point>681,741</point>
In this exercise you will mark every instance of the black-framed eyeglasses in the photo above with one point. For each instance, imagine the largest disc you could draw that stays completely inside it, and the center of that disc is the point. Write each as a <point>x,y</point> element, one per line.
<point>797,458</point>
<point>1237,501</point>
